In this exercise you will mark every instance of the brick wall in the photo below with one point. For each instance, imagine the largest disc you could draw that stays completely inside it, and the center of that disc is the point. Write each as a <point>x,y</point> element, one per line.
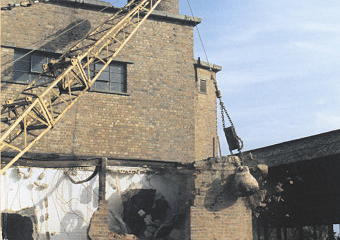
<point>216,213</point>
<point>98,229</point>
<point>154,120</point>
<point>205,118</point>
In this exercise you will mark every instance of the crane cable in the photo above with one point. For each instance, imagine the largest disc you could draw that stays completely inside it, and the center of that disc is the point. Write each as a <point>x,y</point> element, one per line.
<point>224,112</point>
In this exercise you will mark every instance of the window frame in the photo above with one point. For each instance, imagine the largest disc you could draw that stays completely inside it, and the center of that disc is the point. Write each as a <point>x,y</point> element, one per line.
<point>205,86</point>
<point>31,73</point>
<point>123,82</point>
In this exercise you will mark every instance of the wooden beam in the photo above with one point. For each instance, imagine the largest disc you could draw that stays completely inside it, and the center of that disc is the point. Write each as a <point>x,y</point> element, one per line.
<point>102,179</point>
<point>69,161</point>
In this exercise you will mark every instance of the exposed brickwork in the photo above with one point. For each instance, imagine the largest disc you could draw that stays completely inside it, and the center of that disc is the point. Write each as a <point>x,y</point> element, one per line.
<point>216,213</point>
<point>169,6</point>
<point>155,120</point>
<point>98,229</point>
<point>206,118</point>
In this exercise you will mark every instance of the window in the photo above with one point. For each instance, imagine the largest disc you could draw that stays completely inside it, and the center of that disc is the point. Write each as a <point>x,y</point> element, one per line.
<point>112,79</point>
<point>27,67</point>
<point>203,86</point>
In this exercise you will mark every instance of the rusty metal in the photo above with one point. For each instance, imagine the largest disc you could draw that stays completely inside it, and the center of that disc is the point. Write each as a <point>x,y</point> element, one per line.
<point>232,138</point>
<point>25,122</point>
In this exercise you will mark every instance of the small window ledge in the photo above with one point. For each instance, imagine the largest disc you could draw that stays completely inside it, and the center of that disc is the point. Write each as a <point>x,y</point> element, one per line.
<point>95,91</point>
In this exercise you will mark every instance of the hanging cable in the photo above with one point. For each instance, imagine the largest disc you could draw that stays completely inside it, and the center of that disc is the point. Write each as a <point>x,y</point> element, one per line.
<point>68,175</point>
<point>234,141</point>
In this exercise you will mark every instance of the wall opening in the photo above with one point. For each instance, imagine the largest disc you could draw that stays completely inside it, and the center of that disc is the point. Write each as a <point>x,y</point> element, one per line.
<point>16,227</point>
<point>147,214</point>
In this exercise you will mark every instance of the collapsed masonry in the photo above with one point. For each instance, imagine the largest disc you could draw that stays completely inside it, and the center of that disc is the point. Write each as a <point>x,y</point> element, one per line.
<point>145,201</point>
<point>184,201</point>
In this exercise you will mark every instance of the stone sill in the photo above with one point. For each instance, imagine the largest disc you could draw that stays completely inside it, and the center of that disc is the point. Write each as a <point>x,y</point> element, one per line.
<point>92,91</point>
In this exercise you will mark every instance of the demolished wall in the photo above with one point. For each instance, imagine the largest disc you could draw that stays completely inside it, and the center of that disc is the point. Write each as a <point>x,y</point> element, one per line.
<point>179,202</point>
<point>138,201</point>
<point>217,213</point>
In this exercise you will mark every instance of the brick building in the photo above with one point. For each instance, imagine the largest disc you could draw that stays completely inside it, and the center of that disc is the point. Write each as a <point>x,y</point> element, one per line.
<point>152,113</point>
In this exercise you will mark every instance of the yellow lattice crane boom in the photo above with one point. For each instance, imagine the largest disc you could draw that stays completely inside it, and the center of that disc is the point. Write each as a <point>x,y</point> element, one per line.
<point>28,117</point>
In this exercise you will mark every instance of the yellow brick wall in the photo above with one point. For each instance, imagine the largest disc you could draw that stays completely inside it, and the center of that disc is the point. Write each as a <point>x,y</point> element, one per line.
<point>155,120</point>
<point>217,214</point>
<point>206,118</point>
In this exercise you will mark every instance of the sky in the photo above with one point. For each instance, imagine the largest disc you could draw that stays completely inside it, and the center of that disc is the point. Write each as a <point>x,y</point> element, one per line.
<point>281,65</point>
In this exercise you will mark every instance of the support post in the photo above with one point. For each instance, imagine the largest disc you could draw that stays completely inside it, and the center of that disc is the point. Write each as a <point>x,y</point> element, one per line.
<point>330,232</point>
<point>102,179</point>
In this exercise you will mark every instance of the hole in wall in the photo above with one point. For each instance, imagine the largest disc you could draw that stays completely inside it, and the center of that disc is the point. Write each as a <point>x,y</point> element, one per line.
<point>16,227</point>
<point>20,225</point>
<point>147,215</point>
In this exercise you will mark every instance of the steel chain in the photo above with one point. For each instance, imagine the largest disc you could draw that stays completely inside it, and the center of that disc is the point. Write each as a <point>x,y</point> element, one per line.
<point>224,111</point>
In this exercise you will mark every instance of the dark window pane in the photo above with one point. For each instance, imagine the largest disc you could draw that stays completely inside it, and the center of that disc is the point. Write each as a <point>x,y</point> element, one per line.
<point>123,87</point>
<point>20,54</point>
<point>99,66</point>
<point>22,66</point>
<point>22,77</point>
<point>114,68</point>
<point>102,86</point>
<point>92,74</point>
<point>33,76</point>
<point>43,79</point>
<point>104,76</point>
<point>115,87</point>
<point>37,61</point>
<point>203,86</point>
<point>115,77</point>
<point>52,56</point>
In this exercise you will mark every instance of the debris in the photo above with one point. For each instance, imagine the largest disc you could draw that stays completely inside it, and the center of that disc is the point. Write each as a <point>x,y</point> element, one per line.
<point>244,183</point>
<point>251,156</point>
<point>278,189</point>
<point>263,168</point>
<point>41,186</point>
<point>117,224</point>
<point>41,176</point>
<point>148,220</point>
<point>141,213</point>
<point>25,3</point>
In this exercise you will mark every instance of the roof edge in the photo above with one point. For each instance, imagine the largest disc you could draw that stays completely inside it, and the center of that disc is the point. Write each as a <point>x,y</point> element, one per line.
<point>156,14</point>
<point>202,64</point>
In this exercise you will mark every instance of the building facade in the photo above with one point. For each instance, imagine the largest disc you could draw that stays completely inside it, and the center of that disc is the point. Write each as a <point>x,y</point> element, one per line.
<point>144,106</point>
<point>152,114</point>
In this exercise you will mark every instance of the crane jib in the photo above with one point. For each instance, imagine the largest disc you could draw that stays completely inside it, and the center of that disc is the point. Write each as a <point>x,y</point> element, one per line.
<point>25,122</point>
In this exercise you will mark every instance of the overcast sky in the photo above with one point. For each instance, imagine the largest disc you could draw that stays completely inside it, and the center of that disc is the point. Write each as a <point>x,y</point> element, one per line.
<point>281,64</point>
